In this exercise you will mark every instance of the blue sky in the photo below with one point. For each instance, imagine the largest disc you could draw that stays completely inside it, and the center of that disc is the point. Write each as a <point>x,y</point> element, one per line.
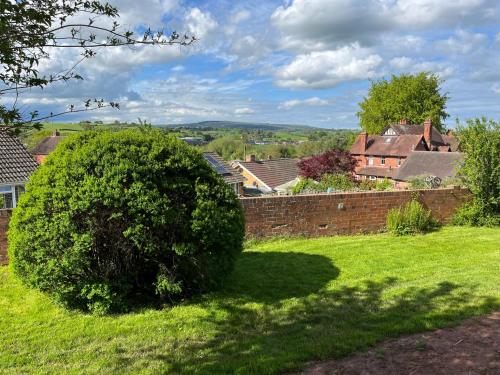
<point>298,62</point>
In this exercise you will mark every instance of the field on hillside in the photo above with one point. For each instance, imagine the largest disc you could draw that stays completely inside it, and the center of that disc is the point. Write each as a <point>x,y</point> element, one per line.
<point>288,302</point>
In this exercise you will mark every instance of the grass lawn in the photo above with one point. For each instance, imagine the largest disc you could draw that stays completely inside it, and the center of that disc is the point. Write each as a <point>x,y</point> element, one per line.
<point>288,302</point>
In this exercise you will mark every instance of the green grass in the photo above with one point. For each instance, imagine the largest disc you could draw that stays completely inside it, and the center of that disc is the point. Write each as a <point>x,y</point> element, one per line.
<point>288,302</point>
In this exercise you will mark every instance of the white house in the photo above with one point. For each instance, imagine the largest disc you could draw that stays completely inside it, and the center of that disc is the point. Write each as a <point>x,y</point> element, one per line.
<point>16,165</point>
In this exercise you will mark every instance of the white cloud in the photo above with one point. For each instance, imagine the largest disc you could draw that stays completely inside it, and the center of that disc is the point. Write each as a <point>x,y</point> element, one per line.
<point>240,16</point>
<point>198,23</point>
<point>243,111</point>
<point>463,42</point>
<point>406,64</point>
<point>323,24</point>
<point>314,24</point>
<point>135,13</point>
<point>178,68</point>
<point>496,88</point>
<point>325,69</point>
<point>314,101</point>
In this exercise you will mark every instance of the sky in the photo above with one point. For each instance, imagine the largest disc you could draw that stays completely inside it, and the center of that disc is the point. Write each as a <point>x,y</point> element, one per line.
<point>305,62</point>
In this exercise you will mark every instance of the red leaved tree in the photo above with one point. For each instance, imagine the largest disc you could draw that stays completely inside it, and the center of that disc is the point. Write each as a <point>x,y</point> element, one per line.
<point>331,162</point>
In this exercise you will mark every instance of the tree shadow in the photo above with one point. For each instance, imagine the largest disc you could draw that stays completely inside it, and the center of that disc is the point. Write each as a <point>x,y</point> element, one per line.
<point>276,314</point>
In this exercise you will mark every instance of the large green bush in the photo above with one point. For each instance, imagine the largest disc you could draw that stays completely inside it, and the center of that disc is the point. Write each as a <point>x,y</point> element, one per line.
<point>115,218</point>
<point>413,218</point>
<point>480,172</point>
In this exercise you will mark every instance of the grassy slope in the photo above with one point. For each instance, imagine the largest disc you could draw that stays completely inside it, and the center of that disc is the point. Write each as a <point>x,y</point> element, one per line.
<point>287,302</point>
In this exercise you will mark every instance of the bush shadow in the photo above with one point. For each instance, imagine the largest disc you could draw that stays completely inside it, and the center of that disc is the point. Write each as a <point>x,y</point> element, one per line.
<point>272,276</point>
<point>276,314</point>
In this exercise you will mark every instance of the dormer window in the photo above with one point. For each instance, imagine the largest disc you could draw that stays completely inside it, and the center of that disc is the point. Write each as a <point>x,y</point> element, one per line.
<point>382,160</point>
<point>370,160</point>
<point>390,131</point>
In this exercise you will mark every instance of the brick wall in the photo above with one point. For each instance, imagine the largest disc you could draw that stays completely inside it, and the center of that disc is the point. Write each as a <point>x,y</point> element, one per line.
<point>347,213</point>
<point>4,222</point>
<point>320,214</point>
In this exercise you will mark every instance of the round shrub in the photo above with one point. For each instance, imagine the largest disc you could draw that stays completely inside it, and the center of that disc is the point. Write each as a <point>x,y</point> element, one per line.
<point>111,219</point>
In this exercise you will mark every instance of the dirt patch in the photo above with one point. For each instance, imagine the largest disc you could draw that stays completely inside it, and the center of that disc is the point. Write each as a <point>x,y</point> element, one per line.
<point>471,348</point>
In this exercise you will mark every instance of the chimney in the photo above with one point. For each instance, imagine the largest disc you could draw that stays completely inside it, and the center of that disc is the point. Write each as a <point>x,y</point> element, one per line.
<point>364,139</point>
<point>403,122</point>
<point>250,158</point>
<point>428,132</point>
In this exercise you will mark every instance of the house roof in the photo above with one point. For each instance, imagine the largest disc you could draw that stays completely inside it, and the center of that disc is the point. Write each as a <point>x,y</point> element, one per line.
<point>405,141</point>
<point>16,163</point>
<point>387,145</point>
<point>452,141</point>
<point>377,171</point>
<point>273,172</point>
<point>47,145</point>
<point>439,164</point>
<point>229,175</point>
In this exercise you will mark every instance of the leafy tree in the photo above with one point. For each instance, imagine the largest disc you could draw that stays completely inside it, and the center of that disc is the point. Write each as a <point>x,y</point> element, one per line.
<point>480,142</point>
<point>228,147</point>
<point>30,30</point>
<point>331,162</point>
<point>115,217</point>
<point>412,97</point>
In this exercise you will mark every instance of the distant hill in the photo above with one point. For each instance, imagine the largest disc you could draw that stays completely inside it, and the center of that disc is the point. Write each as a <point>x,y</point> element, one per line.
<point>240,125</point>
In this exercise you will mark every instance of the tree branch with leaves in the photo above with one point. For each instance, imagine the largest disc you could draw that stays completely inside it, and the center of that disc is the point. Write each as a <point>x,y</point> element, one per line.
<point>31,29</point>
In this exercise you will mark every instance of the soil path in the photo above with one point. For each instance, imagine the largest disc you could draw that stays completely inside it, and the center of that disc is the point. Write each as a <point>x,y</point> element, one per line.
<point>472,348</point>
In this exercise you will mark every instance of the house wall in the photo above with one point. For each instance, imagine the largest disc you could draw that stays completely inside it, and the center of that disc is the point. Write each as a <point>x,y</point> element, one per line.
<point>250,179</point>
<point>4,223</point>
<point>347,213</point>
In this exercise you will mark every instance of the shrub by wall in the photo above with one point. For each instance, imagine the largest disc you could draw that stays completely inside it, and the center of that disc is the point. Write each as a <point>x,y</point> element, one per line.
<point>113,218</point>
<point>413,218</point>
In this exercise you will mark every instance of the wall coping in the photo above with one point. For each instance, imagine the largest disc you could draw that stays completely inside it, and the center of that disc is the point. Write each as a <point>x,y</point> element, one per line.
<point>344,193</point>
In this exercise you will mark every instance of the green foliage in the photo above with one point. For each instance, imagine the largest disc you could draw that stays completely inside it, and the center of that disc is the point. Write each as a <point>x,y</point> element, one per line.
<point>383,185</point>
<point>413,218</point>
<point>367,185</point>
<point>419,182</point>
<point>116,217</point>
<point>411,97</point>
<point>2,201</point>
<point>336,182</point>
<point>228,147</point>
<point>480,142</point>
<point>339,182</point>
<point>473,214</point>
<point>306,185</point>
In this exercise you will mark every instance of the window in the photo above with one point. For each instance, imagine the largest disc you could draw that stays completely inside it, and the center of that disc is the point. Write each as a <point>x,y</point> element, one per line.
<point>9,195</point>
<point>370,160</point>
<point>399,161</point>
<point>382,160</point>
<point>373,178</point>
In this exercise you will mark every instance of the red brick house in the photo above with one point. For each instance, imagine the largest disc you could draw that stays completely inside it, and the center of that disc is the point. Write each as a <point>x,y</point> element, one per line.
<point>380,156</point>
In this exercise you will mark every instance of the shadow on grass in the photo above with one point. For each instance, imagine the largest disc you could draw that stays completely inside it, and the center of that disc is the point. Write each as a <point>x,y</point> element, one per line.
<point>280,311</point>
<point>273,276</point>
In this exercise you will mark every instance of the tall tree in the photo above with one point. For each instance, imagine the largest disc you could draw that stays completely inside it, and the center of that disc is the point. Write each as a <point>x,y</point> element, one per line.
<point>30,30</point>
<point>414,97</point>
